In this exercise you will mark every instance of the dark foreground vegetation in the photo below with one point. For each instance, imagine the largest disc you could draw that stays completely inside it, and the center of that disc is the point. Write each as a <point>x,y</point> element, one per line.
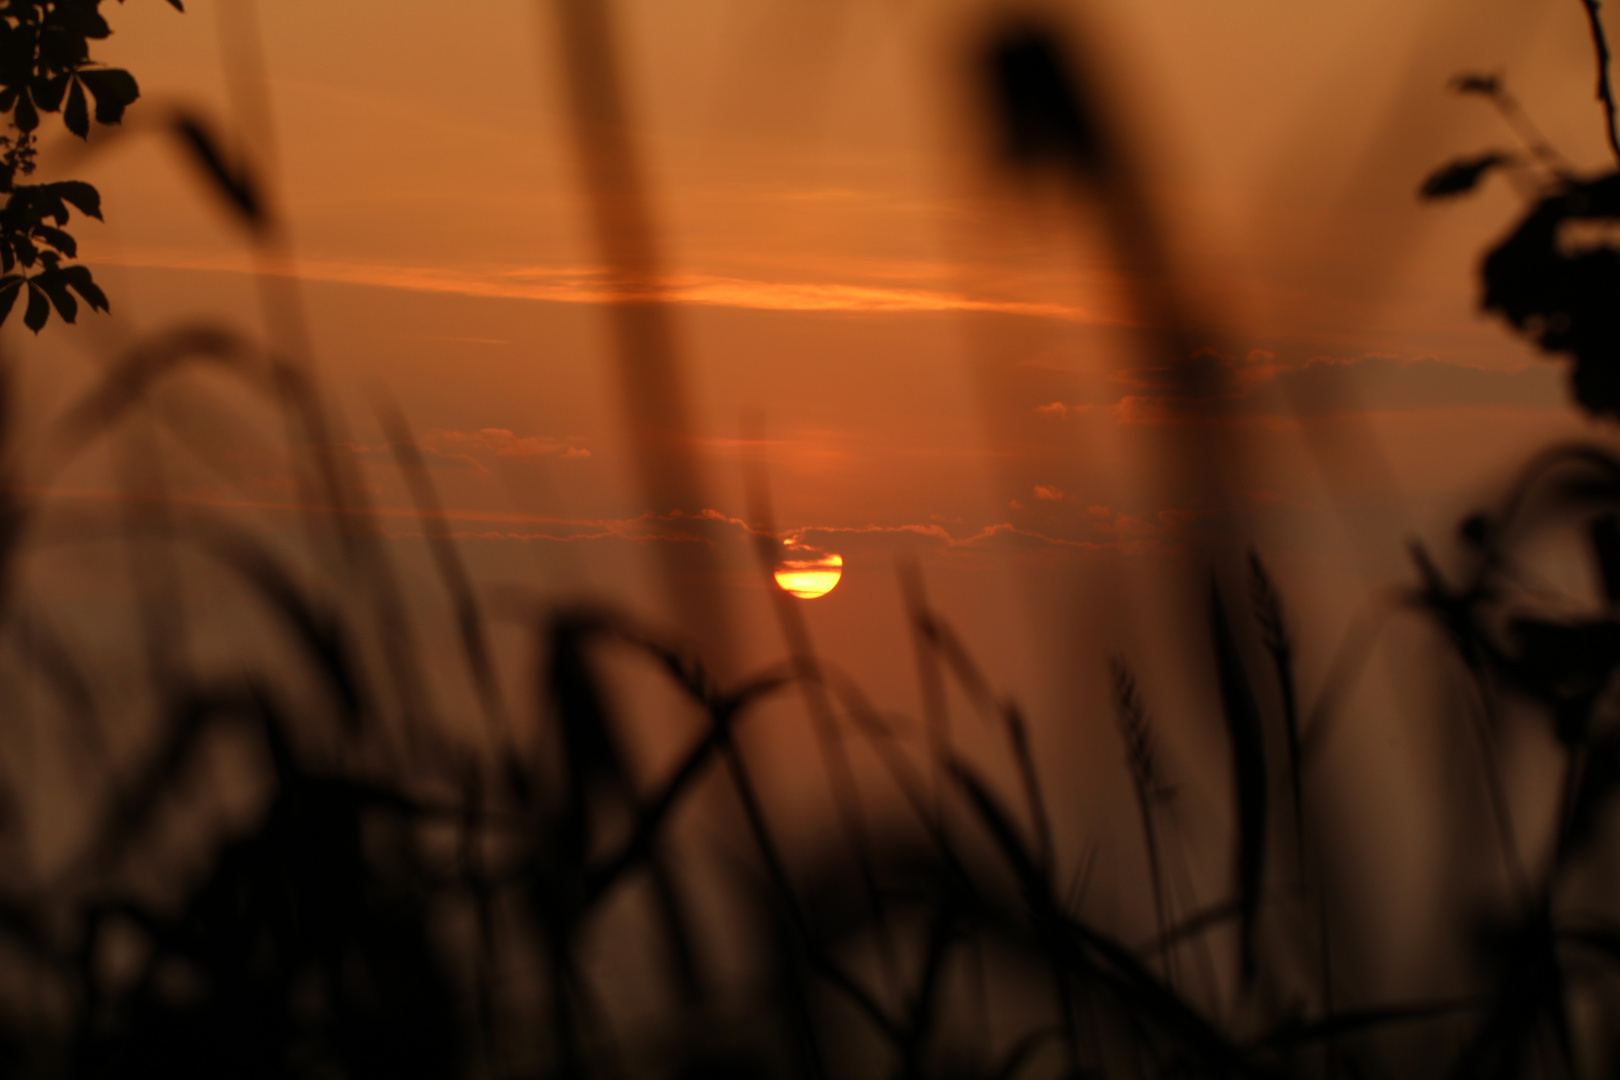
<point>493,890</point>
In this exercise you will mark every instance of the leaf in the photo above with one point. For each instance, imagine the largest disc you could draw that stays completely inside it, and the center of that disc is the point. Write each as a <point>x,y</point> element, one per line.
<point>39,308</point>
<point>236,185</point>
<point>9,287</point>
<point>1563,299</point>
<point>81,21</point>
<point>77,114</point>
<point>33,203</point>
<point>1045,116</point>
<point>78,277</point>
<point>55,287</point>
<point>25,116</point>
<point>1488,85</point>
<point>114,89</point>
<point>1461,176</point>
<point>47,93</point>
<point>58,239</point>
<point>1567,659</point>
<point>82,195</point>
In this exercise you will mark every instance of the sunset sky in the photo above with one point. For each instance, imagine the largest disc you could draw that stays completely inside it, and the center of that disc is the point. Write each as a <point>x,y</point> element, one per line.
<point>925,359</point>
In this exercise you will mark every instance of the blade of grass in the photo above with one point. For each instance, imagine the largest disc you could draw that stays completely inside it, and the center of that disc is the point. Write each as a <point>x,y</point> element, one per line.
<point>1249,778</point>
<point>846,793</point>
<point>1082,952</point>
<point>1145,782</point>
<point>452,571</point>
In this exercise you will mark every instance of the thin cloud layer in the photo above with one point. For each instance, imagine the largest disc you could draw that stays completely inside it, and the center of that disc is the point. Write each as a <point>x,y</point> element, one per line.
<point>591,285</point>
<point>501,442</point>
<point>468,450</point>
<point>1210,386</point>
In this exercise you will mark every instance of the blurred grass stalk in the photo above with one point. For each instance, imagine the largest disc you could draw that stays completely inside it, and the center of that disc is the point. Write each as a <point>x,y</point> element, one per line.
<point>652,382</point>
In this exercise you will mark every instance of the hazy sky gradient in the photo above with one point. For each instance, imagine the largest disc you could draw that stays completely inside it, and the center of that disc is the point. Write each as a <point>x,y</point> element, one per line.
<point>941,363</point>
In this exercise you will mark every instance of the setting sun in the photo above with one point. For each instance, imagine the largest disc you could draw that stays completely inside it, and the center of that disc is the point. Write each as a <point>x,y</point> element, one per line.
<point>809,574</point>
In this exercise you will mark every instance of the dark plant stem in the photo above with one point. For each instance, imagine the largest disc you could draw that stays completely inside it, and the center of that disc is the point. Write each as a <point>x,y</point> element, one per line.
<point>1483,726</point>
<point>776,871</point>
<point>1605,90</point>
<point>1133,725</point>
<point>930,679</point>
<point>812,681</point>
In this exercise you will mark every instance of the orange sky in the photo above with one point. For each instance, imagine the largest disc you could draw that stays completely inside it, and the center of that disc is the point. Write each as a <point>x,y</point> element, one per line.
<point>937,367</point>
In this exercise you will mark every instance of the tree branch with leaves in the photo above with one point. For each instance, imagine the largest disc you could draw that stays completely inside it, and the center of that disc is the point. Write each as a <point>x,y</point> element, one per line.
<point>46,68</point>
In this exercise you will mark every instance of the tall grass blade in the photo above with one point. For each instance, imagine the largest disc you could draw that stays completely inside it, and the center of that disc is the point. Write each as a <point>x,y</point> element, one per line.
<point>930,680</point>
<point>1274,637</point>
<point>1249,778</point>
<point>652,380</point>
<point>1605,540</point>
<point>322,637</point>
<point>846,792</point>
<point>1145,782</point>
<point>233,182</point>
<point>452,571</point>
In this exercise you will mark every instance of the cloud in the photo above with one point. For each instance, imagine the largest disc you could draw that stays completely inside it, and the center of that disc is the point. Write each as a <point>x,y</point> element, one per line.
<point>1322,387</point>
<point>1122,528</point>
<point>892,537</point>
<point>462,450</point>
<point>1006,535</point>
<point>593,285</point>
<point>1195,387</point>
<point>1061,411</point>
<point>1137,409</point>
<point>503,443</point>
<point>870,542</point>
<point>388,454</point>
<point>1209,385</point>
<point>708,527</point>
<point>1117,523</point>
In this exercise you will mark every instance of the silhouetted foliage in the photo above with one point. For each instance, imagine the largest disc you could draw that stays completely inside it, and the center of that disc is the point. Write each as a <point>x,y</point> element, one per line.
<point>1565,301</point>
<point>232,180</point>
<point>1462,176</point>
<point>1564,295</point>
<point>46,67</point>
<point>1045,117</point>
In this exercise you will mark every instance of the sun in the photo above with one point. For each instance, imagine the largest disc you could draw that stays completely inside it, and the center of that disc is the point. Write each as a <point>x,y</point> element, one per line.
<point>806,572</point>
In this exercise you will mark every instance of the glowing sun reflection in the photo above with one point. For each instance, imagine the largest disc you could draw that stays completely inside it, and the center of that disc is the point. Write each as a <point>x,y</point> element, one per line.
<point>808,573</point>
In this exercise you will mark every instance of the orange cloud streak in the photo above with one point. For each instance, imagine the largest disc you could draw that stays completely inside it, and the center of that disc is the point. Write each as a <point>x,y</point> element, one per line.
<point>587,285</point>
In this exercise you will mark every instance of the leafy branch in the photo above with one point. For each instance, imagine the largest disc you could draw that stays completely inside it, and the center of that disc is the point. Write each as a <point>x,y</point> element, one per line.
<point>1555,278</point>
<point>46,67</point>
<point>1605,89</point>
